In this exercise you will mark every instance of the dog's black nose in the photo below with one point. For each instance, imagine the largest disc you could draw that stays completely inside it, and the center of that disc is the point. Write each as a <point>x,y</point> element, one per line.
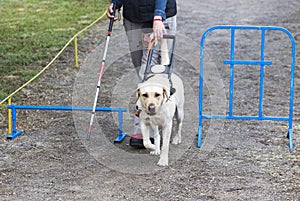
<point>151,108</point>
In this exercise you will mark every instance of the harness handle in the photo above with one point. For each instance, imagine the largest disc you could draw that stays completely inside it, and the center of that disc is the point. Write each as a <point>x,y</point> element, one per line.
<point>151,45</point>
<point>168,68</point>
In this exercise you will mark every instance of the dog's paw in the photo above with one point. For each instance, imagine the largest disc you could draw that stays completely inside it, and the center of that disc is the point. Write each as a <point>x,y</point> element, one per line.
<point>155,152</point>
<point>176,140</point>
<point>150,147</point>
<point>163,163</point>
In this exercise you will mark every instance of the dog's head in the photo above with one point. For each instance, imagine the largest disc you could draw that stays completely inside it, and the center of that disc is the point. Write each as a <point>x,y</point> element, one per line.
<point>150,98</point>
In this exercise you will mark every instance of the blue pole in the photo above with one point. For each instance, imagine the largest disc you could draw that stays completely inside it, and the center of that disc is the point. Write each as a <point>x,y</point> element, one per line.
<point>262,72</point>
<point>290,133</point>
<point>200,103</point>
<point>231,73</point>
<point>121,134</point>
<point>14,119</point>
<point>15,133</point>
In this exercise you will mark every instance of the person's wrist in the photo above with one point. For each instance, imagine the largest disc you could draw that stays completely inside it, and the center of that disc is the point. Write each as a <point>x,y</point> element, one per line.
<point>157,18</point>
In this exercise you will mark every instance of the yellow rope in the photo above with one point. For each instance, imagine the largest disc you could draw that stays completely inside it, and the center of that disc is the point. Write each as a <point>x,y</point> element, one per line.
<point>76,52</point>
<point>52,61</point>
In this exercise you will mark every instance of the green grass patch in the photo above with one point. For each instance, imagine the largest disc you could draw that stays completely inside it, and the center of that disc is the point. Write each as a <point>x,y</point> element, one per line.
<point>32,33</point>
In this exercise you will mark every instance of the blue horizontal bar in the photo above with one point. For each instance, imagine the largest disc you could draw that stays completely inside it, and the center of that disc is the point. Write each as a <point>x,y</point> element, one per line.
<point>242,27</point>
<point>49,107</point>
<point>246,117</point>
<point>240,62</point>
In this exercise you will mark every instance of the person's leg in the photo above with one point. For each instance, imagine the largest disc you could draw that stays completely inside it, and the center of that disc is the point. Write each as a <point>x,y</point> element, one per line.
<point>172,24</point>
<point>134,36</point>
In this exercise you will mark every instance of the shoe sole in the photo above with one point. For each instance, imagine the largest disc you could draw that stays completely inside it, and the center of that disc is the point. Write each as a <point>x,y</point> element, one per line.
<point>138,143</point>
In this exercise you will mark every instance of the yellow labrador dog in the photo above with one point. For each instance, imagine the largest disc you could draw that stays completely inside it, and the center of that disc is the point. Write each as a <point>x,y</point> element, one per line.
<point>157,108</point>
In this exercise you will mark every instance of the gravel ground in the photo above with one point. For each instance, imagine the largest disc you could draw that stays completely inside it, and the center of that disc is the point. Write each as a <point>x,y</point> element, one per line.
<point>239,160</point>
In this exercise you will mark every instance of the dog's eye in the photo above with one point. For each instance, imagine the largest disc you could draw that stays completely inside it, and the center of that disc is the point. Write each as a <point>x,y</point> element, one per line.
<point>157,95</point>
<point>145,95</point>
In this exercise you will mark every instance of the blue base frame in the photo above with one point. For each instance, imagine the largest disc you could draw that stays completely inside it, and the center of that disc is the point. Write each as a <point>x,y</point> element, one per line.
<point>15,133</point>
<point>120,138</point>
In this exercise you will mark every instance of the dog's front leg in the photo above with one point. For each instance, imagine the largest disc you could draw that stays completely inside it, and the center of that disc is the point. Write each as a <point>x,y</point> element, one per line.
<point>156,141</point>
<point>164,156</point>
<point>146,137</point>
<point>178,126</point>
<point>177,133</point>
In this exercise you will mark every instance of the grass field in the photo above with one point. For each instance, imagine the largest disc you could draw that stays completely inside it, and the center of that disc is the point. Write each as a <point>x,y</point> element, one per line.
<point>33,32</point>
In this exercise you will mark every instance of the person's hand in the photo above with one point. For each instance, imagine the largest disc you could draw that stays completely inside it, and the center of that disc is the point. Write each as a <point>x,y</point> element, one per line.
<point>158,27</point>
<point>109,12</point>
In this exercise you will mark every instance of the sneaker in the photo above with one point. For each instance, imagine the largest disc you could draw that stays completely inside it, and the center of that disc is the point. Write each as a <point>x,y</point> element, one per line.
<point>136,140</point>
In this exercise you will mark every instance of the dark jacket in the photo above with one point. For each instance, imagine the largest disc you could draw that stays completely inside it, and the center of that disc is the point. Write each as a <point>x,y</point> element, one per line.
<point>142,11</point>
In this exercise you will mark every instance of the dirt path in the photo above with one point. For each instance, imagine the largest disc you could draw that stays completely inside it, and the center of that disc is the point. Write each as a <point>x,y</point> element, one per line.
<point>239,160</point>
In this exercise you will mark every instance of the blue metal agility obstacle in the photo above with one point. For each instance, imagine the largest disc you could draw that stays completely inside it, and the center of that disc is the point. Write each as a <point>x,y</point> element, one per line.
<point>262,63</point>
<point>15,132</point>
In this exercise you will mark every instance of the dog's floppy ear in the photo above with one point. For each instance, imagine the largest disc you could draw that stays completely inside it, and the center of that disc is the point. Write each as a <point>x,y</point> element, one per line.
<point>138,94</point>
<point>138,103</point>
<point>165,93</point>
